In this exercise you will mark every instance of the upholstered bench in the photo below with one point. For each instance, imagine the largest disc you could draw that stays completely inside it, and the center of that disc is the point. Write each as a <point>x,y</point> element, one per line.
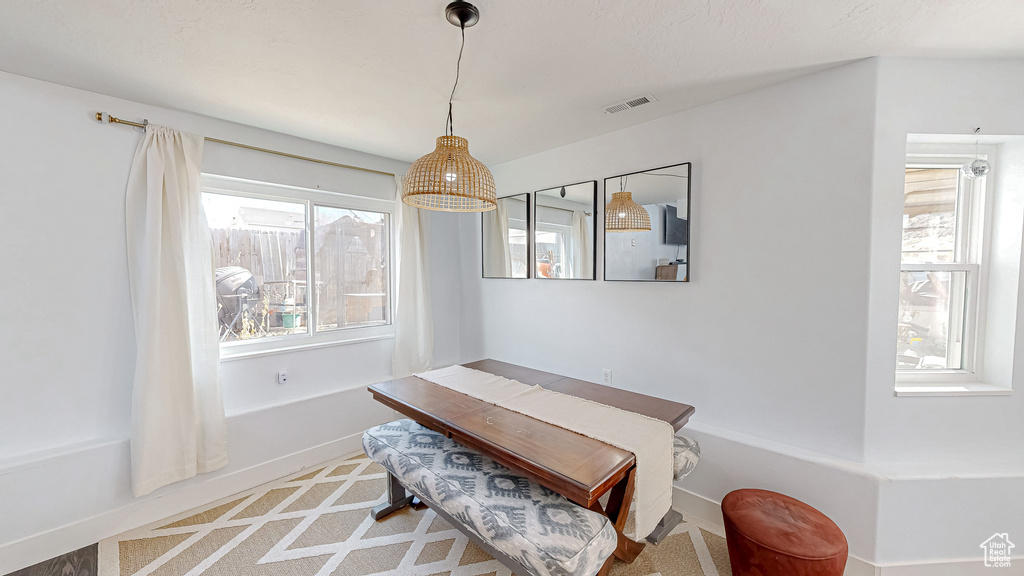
<point>685,454</point>
<point>532,530</point>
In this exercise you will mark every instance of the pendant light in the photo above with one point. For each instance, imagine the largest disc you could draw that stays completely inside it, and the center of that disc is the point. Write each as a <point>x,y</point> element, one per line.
<point>977,167</point>
<point>622,214</point>
<point>449,179</point>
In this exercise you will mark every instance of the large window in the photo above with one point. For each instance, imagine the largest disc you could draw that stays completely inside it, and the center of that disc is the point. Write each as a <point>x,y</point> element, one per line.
<point>941,272</point>
<point>297,266</point>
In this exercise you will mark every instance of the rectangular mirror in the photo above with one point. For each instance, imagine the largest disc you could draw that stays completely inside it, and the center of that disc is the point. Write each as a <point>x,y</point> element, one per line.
<point>506,231</point>
<point>647,225</point>
<point>564,234</point>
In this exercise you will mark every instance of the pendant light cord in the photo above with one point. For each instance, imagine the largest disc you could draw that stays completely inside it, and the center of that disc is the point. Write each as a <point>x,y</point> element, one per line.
<point>449,127</point>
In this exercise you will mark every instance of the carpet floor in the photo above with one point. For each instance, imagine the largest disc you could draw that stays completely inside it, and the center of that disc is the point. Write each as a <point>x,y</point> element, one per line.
<point>316,523</point>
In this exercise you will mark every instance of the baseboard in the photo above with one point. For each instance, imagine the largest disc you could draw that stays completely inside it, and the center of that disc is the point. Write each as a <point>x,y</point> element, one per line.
<point>857,567</point>
<point>711,511</point>
<point>698,506</point>
<point>39,547</point>
<point>973,567</point>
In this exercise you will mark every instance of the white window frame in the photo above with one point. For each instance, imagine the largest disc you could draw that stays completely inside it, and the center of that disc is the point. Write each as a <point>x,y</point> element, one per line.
<point>565,231</point>
<point>521,225</point>
<point>972,244</point>
<point>312,339</point>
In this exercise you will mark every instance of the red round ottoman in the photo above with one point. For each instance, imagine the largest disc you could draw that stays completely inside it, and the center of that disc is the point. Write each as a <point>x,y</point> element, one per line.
<point>771,534</point>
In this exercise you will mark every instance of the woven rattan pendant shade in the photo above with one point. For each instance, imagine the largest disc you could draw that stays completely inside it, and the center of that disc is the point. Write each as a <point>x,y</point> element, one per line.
<point>624,215</point>
<point>449,179</point>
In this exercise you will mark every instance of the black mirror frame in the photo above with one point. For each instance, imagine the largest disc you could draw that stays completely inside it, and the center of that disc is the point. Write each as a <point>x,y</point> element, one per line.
<point>533,236</point>
<point>604,233</point>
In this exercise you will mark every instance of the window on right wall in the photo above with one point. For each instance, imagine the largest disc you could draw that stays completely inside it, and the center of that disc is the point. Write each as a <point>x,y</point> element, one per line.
<point>940,270</point>
<point>960,263</point>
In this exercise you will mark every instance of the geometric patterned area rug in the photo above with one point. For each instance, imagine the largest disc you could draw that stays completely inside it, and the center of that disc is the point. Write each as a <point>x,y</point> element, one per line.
<point>317,523</point>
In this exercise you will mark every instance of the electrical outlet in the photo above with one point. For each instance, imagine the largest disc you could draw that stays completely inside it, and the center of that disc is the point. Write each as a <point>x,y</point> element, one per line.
<point>606,376</point>
<point>282,376</point>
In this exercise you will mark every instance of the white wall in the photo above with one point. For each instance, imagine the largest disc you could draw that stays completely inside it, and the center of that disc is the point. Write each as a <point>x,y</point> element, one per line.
<point>1005,263</point>
<point>783,339</point>
<point>768,336</point>
<point>67,341</point>
<point>971,448</point>
<point>933,97</point>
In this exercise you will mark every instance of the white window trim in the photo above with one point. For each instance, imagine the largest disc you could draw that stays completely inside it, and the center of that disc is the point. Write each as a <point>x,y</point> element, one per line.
<point>976,216</point>
<point>251,349</point>
<point>520,223</point>
<point>565,231</point>
<point>946,389</point>
<point>240,349</point>
<point>567,239</point>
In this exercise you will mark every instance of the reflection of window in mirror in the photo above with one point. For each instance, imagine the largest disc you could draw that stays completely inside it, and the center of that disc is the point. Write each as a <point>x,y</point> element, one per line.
<point>564,231</point>
<point>506,231</point>
<point>647,225</point>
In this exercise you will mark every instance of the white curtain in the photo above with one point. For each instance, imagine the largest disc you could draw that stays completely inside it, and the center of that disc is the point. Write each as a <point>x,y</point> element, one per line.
<point>582,248</point>
<point>414,324</point>
<point>178,426</point>
<point>497,254</point>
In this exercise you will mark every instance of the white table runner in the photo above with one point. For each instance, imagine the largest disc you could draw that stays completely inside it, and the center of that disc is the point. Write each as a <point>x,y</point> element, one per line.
<point>649,439</point>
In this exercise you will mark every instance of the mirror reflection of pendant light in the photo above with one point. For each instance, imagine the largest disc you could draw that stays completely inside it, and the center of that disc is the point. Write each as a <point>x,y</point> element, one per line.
<point>622,214</point>
<point>449,179</point>
<point>978,167</point>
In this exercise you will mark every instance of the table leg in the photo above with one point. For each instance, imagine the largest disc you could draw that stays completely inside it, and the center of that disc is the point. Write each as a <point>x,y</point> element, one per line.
<point>617,511</point>
<point>398,498</point>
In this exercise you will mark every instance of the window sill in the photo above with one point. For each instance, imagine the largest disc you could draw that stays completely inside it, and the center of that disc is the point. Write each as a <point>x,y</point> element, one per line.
<point>952,390</point>
<point>228,356</point>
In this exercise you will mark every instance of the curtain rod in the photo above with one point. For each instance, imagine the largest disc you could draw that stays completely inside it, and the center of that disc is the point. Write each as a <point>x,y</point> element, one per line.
<point>144,123</point>
<point>515,199</point>
<point>539,206</point>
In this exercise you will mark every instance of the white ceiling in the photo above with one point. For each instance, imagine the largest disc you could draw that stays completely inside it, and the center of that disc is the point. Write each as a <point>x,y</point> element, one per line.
<point>375,76</point>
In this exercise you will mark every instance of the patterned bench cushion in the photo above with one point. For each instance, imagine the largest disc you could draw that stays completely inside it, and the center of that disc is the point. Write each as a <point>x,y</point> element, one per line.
<point>686,453</point>
<point>518,517</point>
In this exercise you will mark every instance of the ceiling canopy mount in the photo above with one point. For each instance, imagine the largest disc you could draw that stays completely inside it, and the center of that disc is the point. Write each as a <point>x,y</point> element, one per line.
<point>462,14</point>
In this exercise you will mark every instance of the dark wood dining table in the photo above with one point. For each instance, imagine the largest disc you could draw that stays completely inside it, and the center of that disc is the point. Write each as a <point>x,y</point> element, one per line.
<point>576,466</point>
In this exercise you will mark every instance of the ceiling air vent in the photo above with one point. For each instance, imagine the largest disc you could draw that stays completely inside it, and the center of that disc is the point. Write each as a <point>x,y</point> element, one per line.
<point>629,103</point>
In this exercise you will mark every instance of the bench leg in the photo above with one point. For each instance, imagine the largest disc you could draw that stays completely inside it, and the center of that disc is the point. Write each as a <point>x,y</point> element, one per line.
<point>668,522</point>
<point>398,498</point>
